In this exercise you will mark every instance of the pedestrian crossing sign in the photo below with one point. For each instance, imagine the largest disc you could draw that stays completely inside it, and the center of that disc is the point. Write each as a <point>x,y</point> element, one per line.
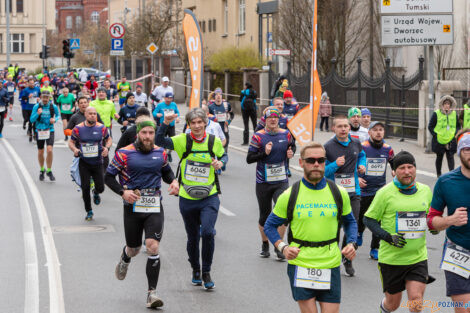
<point>74,43</point>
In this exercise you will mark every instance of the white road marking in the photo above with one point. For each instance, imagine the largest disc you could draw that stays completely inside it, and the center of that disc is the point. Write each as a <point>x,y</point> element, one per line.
<point>56,293</point>
<point>226,211</point>
<point>31,294</point>
<point>429,174</point>
<point>236,127</point>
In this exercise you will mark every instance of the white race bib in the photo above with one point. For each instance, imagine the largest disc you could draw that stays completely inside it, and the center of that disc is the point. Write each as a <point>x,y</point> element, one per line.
<point>290,116</point>
<point>66,106</point>
<point>376,166</point>
<point>123,94</point>
<point>44,134</point>
<point>311,278</point>
<point>32,100</point>
<point>275,172</point>
<point>221,117</point>
<point>149,202</point>
<point>197,171</point>
<point>456,259</point>
<point>2,108</point>
<point>11,88</point>
<point>412,224</point>
<point>347,181</point>
<point>140,103</point>
<point>90,150</point>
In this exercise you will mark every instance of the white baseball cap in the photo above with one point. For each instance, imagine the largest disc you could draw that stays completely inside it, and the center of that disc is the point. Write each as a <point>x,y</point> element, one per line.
<point>165,79</point>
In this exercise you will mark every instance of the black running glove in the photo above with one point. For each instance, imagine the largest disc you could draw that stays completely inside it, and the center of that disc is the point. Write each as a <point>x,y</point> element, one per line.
<point>397,240</point>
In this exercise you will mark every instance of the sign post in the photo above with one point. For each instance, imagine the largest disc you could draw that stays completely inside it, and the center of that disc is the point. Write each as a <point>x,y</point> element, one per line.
<point>152,48</point>
<point>117,31</point>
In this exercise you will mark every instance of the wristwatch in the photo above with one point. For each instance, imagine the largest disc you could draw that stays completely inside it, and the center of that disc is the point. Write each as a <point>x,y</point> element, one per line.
<point>121,192</point>
<point>355,245</point>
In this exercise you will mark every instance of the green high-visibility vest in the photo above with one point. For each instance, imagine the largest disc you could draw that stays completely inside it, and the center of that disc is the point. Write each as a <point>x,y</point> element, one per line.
<point>466,116</point>
<point>11,71</point>
<point>446,127</point>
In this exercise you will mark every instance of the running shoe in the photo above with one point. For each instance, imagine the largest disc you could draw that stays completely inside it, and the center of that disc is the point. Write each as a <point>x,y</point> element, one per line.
<point>96,198</point>
<point>264,250</point>
<point>359,239</point>
<point>279,256</point>
<point>121,269</point>
<point>1,136</point>
<point>374,254</point>
<point>51,176</point>
<point>153,301</point>
<point>41,175</point>
<point>349,269</point>
<point>196,279</point>
<point>208,283</point>
<point>89,215</point>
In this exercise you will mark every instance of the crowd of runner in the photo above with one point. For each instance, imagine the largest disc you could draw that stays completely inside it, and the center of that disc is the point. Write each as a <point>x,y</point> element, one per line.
<point>344,183</point>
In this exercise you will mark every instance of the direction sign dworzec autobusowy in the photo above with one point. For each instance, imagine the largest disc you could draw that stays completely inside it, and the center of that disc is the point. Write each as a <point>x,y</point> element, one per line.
<point>415,6</point>
<point>117,30</point>
<point>417,30</point>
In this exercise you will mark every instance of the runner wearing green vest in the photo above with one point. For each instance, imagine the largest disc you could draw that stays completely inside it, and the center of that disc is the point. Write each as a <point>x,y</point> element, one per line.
<point>66,103</point>
<point>123,88</point>
<point>315,208</point>
<point>47,87</point>
<point>11,70</point>
<point>397,216</point>
<point>464,117</point>
<point>443,126</point>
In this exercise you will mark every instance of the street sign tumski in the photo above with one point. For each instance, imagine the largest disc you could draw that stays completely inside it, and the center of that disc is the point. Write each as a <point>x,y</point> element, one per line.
<point>88,51</point>
<point>152,48</point>
<point>415,6</point>
<point>74,43</point>
<point>117,47</point>
<point>418,30</point>
<point>117,30</point>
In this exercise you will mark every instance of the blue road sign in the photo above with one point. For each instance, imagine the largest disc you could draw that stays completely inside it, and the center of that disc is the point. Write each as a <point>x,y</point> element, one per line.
<point>74,43</point>
<point>117,44</point>
<point>270,36</point>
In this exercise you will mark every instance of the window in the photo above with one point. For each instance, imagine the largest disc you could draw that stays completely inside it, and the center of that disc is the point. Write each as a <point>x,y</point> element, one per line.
<point>1,43</point>
<point>19,6</point>
<point>6,5</point>
<point>203,26</point>
<point>17,43</point>
<point>95,17</point>
<point>78,21</point>
<point>241,17</point>
<point>210,25</point>
<point>225,17</point>
<point>68,22</point>
<point>213,25</point>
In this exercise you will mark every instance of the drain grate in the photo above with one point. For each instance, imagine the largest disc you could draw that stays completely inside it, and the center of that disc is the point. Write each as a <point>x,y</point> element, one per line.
<point>73,229</point>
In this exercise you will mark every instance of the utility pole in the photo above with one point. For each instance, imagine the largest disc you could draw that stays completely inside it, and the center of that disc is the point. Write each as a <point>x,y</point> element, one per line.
<point>430,95</point>
<point>43,28</point>
<point>7,8</point>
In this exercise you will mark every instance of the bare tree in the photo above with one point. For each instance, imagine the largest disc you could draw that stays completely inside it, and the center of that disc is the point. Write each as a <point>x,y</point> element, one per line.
<point>343,33</point>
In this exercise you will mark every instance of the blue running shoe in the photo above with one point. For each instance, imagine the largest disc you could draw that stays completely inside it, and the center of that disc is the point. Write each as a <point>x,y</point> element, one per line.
<point>96,198</point>
<point>374,254</point>
<point>359,239</point>
<point>208,283</point>
<point>196,280</point>
<point>89,215</point>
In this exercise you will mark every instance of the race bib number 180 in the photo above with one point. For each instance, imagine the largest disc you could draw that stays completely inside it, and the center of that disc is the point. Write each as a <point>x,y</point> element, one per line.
<point>312,278</point>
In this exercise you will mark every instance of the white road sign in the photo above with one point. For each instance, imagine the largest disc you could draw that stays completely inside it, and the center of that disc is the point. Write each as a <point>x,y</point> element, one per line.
<point>271,52</point>
<point>415,6</point>
<point>117,30</point>
<point>116,52</point>
<point>419,30</point>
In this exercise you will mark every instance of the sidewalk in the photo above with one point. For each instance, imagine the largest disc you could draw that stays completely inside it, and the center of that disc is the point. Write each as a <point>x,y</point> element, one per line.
<point>425,162</point>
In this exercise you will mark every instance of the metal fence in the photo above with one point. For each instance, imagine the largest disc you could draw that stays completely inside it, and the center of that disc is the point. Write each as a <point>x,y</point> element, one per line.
<point>386,96</point>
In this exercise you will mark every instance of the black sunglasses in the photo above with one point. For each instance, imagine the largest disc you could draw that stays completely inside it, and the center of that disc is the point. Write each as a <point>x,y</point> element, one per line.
<point>314,160</point>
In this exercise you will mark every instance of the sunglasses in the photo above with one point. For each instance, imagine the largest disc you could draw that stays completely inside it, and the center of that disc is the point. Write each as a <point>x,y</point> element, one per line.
<point>315,160</point>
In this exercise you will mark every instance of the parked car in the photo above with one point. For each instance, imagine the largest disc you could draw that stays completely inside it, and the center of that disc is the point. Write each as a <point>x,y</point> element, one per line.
<point>60,71</point>
<point>99,75</point>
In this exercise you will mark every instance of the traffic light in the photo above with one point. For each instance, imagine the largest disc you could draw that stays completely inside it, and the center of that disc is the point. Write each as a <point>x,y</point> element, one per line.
<point>44,54</point>
<point>66,48</point>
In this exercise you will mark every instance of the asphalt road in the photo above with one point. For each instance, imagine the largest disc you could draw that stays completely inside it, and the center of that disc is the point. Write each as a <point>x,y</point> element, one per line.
<point>54,261</point>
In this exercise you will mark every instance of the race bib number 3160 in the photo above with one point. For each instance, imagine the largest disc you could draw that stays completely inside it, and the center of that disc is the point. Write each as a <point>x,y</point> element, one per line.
<point>312,278</point>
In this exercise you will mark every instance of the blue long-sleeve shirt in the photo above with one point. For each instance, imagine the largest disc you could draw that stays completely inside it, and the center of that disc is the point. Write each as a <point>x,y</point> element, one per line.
<point>3,97</point>
<point>26,102</point>
<point>274,221</point>
<point>164,108</point>
<point>43,120</point>
<point>333,153</point>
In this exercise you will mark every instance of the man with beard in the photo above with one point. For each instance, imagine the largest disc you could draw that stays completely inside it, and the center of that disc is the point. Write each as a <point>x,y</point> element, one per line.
<point>398,217</point>
<point>315,207</point>
<point>90,141</point>
<point>451,191</point>
<point>357,131</point>
<point>378,154</point>
<point>141,167</point>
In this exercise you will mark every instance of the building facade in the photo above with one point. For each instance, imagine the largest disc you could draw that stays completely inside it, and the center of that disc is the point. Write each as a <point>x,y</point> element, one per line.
<point>29,19</point>
<point>72,14</point>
